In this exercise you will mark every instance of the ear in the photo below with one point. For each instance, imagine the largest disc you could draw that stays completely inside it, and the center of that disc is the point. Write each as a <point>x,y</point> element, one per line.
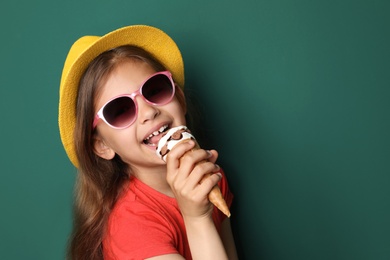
<point>102,150</point>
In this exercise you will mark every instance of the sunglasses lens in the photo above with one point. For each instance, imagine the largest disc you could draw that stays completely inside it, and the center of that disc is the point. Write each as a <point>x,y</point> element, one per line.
<point>120,112</point>
<point>158,89</point>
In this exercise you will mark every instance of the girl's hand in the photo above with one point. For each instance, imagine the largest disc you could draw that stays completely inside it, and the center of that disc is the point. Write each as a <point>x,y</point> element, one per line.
<point>185,169</point>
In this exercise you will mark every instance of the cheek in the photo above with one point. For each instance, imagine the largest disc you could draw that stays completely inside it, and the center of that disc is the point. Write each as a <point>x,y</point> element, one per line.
<point>118,140</point>
<point>177,111</point>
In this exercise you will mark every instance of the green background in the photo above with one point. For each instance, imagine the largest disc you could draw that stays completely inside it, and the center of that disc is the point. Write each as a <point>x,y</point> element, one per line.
<point>295,97</point>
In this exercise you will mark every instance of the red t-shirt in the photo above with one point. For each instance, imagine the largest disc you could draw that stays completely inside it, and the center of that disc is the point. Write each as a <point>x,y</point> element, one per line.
<point>146,223</point>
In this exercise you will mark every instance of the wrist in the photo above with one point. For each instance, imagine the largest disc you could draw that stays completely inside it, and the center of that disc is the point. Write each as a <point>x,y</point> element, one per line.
<point>203,238</point>
<point>199,222</point>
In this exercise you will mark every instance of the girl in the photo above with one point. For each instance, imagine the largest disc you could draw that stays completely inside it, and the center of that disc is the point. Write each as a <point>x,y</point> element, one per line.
<point>118,94</point>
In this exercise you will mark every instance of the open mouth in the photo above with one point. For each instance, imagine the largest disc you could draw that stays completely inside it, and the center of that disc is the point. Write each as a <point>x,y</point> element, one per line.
<point>153,138</point>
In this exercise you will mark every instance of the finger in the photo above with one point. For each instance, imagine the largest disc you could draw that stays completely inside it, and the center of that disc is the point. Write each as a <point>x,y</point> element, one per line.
<point>188,162</point>
<point>209,182</point>
<point>195,156</point>
<point>214,156</point>
<point>201,172</point>
<point>178,152</point>
<point>173,159</point>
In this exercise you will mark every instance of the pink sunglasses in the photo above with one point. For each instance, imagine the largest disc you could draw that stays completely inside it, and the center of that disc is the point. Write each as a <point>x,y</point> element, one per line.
<point>121,111</point>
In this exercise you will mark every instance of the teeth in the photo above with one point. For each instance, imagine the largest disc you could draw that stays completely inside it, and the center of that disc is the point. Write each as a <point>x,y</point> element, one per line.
<point>159,131</point>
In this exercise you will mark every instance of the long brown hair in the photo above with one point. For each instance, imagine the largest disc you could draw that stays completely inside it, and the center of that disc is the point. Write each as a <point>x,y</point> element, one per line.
<point>99,181</point>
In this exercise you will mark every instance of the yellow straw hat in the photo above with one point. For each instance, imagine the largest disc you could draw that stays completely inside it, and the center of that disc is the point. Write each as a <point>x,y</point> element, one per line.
<point>87,48</point>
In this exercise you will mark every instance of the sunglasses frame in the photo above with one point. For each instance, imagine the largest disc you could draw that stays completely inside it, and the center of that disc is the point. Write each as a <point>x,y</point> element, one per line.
<point>100,115</point>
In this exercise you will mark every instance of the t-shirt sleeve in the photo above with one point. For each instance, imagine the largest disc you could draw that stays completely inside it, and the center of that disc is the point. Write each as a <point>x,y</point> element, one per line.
<point>138,235</point>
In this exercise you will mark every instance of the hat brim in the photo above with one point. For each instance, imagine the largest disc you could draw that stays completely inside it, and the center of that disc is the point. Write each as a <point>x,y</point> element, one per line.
<point>151,39</point>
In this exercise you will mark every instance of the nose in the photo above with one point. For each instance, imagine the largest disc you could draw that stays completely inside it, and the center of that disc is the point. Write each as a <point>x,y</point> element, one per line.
<point>146,111</point>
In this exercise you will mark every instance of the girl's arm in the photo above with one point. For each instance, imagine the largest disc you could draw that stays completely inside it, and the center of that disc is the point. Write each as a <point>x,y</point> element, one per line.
<point>204,240</point>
